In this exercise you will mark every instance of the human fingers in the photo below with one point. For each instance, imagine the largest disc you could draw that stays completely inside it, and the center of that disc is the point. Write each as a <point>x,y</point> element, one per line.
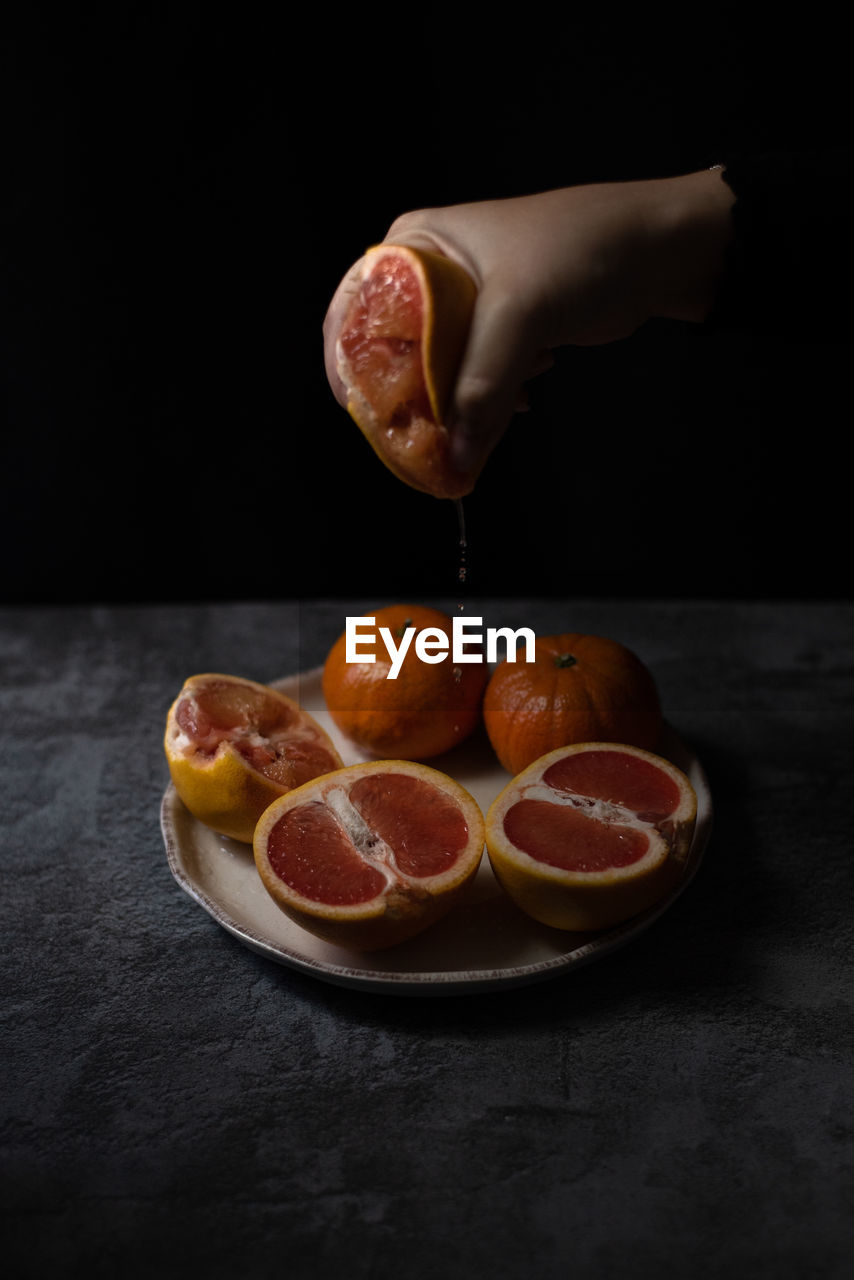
<point>508,341</point>
<point>503,353</point>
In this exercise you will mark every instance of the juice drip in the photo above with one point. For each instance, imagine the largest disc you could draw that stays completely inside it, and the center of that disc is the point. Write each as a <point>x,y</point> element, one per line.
<point>462,570</point>
<point>461,518</point>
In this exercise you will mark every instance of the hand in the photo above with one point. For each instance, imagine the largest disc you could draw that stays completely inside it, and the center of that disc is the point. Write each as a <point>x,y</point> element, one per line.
<point>577,266</point>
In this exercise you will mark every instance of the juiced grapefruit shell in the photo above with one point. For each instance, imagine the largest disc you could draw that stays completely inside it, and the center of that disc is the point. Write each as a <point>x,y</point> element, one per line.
<point>398,353</point>
<point>592,834</point>
<point>371,854</point>
<point>233,746</point>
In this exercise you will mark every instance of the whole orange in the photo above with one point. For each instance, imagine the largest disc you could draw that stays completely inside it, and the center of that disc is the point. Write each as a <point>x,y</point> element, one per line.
<point>578,689</point>
<point>428,709</point>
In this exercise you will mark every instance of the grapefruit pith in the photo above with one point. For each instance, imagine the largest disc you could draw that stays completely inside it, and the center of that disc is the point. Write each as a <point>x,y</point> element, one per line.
<point>372,854</point>
<point>398,352</point>
<point>233,746</point>
<point>591,834</point>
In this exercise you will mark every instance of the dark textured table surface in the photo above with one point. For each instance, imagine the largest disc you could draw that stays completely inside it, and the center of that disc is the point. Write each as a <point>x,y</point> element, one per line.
<point>175,1104</point>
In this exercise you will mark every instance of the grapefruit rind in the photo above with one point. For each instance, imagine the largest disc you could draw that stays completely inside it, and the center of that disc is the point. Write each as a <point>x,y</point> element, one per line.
<point>588,901</point>
<point>223,791</point>
<point>418,453</point>
<point>404,908</point>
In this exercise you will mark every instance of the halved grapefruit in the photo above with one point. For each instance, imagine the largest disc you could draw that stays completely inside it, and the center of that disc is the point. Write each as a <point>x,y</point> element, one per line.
<point>372,854</point>
<point>233,746</point>
<point>398,352</point>
<point>591,834</point>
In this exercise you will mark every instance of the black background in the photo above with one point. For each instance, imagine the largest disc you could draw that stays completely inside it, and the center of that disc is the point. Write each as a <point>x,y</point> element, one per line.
<point>183,194</point>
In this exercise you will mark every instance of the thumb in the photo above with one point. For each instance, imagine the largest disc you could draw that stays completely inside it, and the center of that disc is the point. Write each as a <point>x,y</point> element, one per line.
<point>501,354</point>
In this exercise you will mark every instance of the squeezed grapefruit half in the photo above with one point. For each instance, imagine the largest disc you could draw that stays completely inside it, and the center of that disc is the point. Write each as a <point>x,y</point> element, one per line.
<point>591,834</point>
<point>398,352</point>
<point>234,746</point>
<point>372,854</point>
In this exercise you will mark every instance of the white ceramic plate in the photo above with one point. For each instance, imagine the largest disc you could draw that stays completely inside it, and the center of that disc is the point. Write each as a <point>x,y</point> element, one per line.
<point>485,943</point>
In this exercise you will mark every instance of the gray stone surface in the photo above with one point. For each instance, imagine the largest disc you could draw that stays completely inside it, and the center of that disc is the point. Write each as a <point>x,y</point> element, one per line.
<point>176,1105</point>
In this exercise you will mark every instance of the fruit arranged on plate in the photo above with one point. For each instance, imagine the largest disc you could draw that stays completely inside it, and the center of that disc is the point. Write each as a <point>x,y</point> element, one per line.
<point>591,834</point>
<point>592,829</point>
<point>234,746</point>
<point>428,709</point>
<point>579,689</point>
<point>398,353</point>
<point>372,854</point>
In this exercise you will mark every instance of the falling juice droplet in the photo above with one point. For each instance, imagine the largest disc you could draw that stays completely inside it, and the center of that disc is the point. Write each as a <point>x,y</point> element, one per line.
<point>462,571</point>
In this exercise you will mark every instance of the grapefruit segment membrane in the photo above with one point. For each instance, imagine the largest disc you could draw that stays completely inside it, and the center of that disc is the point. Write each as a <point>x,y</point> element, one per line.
<point>398,352</point>
<point>233,746</point>
<point>372,854</point>
<point>591,834</point>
